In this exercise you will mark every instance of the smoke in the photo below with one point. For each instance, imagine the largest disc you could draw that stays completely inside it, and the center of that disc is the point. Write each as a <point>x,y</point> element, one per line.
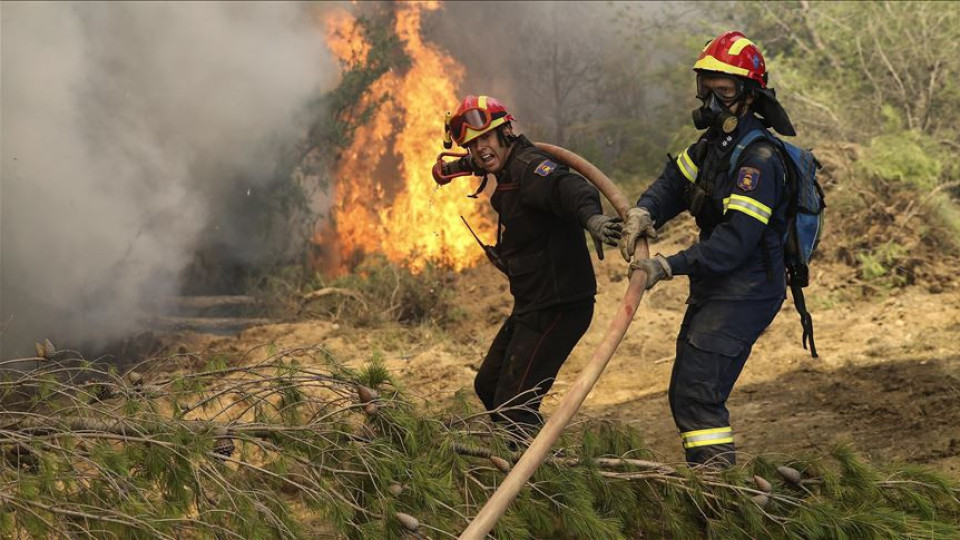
<point>566,67</point>
<point>124,127</point>
<point>511,49</point>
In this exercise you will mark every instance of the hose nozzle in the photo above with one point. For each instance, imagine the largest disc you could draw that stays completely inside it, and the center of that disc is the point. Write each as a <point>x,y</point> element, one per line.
<point>445,171</point>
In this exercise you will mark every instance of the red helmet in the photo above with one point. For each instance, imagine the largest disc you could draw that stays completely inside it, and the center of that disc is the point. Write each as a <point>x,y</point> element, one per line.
<point>733,54</point>
<point>476,116</point>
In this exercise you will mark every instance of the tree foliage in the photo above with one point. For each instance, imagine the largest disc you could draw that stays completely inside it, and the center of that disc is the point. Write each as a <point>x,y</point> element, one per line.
<point>869,66</point>
<point>341,111</point>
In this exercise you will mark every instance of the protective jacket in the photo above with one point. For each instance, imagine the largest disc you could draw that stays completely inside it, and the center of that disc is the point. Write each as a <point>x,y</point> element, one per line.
<point>741,216</point>
<point>543,208</point>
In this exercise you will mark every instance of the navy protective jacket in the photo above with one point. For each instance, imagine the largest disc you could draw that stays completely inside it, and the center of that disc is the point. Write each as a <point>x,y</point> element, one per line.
<point>741,216</point>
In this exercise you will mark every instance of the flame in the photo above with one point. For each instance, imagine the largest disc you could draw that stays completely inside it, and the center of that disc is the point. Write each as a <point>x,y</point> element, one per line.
<point>399,211</point>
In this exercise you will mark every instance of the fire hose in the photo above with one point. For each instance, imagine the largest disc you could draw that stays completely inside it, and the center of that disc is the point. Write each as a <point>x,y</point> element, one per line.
<point>535,454</point>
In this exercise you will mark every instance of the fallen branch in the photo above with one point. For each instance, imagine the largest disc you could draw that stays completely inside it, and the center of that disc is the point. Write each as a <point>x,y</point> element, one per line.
<point>327,291</point>
<point>206,323</point>
<point>136,467</point>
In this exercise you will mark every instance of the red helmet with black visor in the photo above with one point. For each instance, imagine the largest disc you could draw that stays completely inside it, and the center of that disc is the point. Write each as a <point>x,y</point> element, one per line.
<point>476,116</point>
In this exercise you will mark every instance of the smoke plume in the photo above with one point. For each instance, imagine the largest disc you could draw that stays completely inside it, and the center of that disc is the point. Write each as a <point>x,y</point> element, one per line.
<point>123,125</point>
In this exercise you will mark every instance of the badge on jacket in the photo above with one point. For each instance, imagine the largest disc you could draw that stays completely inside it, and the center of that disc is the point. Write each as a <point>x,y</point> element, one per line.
<point>545,168</point>
<point>749,179</point>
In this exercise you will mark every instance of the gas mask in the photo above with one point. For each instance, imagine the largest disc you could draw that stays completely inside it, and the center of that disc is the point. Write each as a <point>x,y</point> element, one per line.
<point>713,113</point>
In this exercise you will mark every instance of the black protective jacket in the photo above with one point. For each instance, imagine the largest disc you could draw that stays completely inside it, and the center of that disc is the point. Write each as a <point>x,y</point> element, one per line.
<point>543,208</point>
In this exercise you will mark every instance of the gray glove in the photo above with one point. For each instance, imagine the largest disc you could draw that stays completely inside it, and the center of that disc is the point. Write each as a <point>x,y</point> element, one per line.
<point>656,269</point>
<point>604,230</point>
<point>639,223</point>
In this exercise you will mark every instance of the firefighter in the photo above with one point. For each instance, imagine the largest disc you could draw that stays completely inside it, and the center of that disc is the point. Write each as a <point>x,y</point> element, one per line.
<point>736,270</point>
<point>542,210</point>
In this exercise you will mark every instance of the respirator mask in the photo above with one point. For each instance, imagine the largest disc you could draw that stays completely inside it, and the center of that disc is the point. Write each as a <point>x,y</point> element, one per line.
<point>715,111</point>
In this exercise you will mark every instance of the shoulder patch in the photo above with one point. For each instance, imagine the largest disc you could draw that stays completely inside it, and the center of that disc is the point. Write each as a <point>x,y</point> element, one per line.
<point>748,179</point>
<point>545,168</point>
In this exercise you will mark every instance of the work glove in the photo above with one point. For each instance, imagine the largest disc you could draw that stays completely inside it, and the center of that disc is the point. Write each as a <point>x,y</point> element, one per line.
<point>656,269</point>
<point>639,223</point>
<point>604,230</point>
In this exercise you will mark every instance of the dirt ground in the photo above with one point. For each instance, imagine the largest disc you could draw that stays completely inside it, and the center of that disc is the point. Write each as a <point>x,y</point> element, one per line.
<point>887,380</point>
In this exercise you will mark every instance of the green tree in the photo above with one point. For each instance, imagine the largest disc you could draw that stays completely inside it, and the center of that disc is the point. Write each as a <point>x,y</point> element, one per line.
<point>864,67</point>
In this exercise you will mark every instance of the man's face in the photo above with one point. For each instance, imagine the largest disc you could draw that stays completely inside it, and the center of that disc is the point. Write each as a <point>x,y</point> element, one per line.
<point>725,88</point>
<point>488,152</point>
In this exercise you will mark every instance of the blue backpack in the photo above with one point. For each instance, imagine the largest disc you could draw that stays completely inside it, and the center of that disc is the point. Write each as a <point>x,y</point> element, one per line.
<point>804,217</point>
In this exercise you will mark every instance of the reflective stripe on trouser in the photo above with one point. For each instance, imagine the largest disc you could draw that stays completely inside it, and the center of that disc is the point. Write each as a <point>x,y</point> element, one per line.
<point>707,437</point>
<point>713,345</point>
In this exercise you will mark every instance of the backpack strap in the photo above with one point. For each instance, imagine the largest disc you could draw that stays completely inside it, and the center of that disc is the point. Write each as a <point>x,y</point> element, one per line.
<point>806,321</point>
<point>748,139</point>
<point>742,145</point>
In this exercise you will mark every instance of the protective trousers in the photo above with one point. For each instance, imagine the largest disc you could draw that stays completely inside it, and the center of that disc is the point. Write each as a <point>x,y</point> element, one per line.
<point>713,345</point>
<point>523,361</point>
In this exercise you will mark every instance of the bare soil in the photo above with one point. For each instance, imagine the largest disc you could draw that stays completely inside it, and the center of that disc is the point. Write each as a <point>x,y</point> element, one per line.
<point>887,380</point>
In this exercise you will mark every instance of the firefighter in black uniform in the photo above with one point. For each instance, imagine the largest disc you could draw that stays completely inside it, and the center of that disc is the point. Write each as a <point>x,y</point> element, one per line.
<point>736,270</point>
<point>542,209</point>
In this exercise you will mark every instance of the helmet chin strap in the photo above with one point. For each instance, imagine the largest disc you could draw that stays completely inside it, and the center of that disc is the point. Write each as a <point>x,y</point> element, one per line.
<point>483,185</point>
<point>506,140</point>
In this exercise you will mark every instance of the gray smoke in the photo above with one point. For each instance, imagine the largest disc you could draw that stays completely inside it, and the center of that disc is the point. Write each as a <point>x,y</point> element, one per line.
<point>545,59</point>
<point>123,124</point>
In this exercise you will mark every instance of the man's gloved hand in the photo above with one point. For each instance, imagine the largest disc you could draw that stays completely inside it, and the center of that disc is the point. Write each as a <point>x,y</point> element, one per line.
<point>604,230</point>
<point>656,269</point>
<point>639,223</point>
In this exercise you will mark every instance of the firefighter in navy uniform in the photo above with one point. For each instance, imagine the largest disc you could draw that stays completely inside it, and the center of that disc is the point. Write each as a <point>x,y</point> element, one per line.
<point>542,210</point>
<point>736,270</point>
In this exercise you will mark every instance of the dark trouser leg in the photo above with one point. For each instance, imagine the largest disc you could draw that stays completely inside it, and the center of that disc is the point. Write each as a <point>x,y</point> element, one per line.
<point>713,345</point>
<point>488,376</point>
<point>539,344</point>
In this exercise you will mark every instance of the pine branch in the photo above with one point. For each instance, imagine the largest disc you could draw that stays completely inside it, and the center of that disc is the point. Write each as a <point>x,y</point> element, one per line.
<point>299,431</point>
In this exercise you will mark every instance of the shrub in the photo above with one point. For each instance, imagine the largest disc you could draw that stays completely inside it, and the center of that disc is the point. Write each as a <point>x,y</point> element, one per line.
<point>882,265</point>
<point>905,156</point>
<point>379,291</point>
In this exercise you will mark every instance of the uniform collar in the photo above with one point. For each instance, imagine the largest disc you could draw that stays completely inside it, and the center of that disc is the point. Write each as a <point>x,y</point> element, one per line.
<point>724,142</point>
<point>521,142</point>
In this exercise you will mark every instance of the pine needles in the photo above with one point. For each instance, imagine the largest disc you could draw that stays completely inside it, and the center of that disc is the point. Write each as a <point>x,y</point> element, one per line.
<point>300,446</point>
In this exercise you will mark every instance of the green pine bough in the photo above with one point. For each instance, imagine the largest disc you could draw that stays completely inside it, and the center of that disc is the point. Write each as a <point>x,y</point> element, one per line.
<point>296,445</point>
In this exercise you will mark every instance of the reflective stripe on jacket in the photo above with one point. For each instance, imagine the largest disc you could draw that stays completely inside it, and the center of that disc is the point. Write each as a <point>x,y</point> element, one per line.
<point>740,252</point>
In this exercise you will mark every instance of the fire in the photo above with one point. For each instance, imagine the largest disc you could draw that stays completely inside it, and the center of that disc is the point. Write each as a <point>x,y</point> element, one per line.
<point>399,211</point>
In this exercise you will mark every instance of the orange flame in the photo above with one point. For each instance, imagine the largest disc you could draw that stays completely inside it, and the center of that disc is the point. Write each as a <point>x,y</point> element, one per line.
<point>399,211</point>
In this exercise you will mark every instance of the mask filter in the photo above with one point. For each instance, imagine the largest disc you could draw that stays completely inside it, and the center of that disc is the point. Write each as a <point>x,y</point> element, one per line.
<point>714,114</point>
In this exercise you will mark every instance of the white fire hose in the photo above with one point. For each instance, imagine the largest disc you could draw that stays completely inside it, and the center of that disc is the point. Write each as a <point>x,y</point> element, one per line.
<point>485,520</point>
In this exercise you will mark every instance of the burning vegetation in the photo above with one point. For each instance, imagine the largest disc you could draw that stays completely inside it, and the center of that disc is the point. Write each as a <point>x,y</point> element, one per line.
<point>385,201</point>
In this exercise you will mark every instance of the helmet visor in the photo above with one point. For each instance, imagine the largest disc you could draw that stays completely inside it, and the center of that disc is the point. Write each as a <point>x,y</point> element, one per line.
<point>475,119</point>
